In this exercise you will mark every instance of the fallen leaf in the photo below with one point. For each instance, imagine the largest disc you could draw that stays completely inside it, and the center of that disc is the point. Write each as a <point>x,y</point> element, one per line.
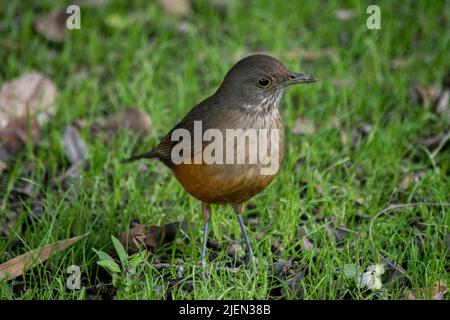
<point>32,95</point>
<point>294,283</point>
<point>26,103</point>
<point>427,95</point>
<point>409,179</point>
<point>371,278</point>
<point>344,14</point>
<point>74,147</point>
<point>336,233</point>
<point>179,8</point>
<point>304,126</point>
<point>282,268</point>
<point>439,290</point>
<point>142,237</point>
<point>53,25</point>
<point>130,119</point>
<point>307,244</point>
<point>17,266</point>
<point>236,250</point>
<point>15,135</point>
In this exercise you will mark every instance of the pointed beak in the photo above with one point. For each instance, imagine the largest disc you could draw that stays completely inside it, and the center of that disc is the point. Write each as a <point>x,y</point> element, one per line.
<point>298,77</point>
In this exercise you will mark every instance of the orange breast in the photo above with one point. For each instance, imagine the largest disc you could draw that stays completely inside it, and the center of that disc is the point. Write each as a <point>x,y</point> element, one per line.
<point>221,184</point>
<point>234,183</point>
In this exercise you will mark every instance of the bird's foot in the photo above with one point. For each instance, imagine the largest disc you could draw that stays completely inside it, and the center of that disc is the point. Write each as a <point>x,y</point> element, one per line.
<point>205,271</point>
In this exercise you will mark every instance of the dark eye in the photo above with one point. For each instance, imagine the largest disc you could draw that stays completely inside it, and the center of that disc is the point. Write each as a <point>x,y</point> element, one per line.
<point>263,82</point>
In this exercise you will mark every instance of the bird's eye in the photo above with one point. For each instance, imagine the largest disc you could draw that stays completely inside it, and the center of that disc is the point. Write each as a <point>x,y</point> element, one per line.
<point>264,82</point>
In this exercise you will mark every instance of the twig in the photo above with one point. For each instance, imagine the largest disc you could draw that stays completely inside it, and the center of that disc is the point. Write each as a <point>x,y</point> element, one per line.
<point>393,207</point>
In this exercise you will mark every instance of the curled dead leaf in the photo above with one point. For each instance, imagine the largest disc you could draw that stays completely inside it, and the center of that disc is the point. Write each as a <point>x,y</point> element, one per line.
<point>31,95</point>
<point>53,25</point>
<point>143,237</point>
<point>130,119</point>
<point>74,146</point>
<point>16,134</point>
<point>236,250</point>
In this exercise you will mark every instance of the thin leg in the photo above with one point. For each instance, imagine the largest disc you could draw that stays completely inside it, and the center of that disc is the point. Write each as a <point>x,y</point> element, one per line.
<point>205,239</point>
<point>248,247</point>
<point>206,211</point>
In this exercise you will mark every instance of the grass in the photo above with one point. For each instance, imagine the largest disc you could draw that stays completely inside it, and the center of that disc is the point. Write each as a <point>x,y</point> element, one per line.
<point>147,63</point>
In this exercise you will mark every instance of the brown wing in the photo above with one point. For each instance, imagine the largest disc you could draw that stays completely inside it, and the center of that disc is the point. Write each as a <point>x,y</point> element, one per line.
<point>202,112</point>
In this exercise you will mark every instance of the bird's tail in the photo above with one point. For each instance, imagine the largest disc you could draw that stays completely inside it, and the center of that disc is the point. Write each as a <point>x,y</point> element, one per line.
<point>148,155</point>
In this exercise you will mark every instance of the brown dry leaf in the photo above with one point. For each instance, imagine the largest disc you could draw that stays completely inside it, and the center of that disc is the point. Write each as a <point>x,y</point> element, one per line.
<point>74,147</point>
<point>33,94</point>
<point>236,250</point>
<point>295,283</point>
<point>143,237</point>
<point>427,95</point>
<point>26,103</point>
<point>410,179</point>
<point>307,244</point>
<point>336,233</point>
<point>14,136</point>
<point>17,266</point>
<point>180,8</point>
<point>131,119</point>
<point>53,25</point>
<point>304,126</point>
<point>344,14</point>
<point>439,290</point>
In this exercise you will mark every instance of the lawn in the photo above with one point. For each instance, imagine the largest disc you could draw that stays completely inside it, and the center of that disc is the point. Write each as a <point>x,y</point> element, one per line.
<point>355,145</point>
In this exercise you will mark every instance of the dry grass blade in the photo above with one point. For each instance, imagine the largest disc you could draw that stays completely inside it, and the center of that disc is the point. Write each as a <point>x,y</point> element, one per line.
<point>17,266</point>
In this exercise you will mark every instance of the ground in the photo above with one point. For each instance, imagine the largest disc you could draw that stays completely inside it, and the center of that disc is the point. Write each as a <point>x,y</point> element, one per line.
<point>353,148</point>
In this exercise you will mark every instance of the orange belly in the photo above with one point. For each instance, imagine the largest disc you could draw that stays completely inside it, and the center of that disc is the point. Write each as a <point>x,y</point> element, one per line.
<point>222,183</point>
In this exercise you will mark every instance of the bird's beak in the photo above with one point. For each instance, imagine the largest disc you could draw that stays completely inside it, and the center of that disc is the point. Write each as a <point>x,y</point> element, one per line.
<point>298,77</point>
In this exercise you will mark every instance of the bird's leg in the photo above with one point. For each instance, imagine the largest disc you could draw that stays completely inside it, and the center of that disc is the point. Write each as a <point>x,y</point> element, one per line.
<point>206,211</point>
<point>248,248</point>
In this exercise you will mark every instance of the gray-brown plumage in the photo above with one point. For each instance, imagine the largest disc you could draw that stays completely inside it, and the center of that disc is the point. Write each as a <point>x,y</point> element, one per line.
<point>248,98</point>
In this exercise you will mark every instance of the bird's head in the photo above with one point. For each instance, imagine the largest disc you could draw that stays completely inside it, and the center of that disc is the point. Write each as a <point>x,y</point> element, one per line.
<point>257,82</point>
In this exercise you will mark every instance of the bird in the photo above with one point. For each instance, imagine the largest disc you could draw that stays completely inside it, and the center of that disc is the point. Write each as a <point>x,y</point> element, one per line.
<point>247,99</point>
